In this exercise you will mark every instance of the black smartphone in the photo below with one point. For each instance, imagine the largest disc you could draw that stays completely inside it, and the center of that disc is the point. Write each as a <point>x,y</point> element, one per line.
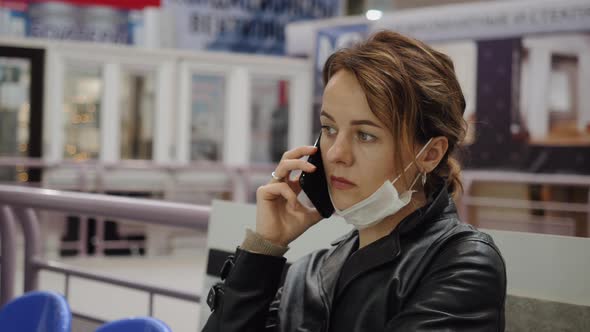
<point>315,184</point>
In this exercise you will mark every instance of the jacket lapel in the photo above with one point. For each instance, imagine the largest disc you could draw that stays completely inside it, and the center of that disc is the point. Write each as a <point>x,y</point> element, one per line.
<point>378,253</point>
<point>330,270</point>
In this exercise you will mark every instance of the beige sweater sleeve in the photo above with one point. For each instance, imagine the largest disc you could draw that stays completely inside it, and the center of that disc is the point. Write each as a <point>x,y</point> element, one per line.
<point>257,244</point>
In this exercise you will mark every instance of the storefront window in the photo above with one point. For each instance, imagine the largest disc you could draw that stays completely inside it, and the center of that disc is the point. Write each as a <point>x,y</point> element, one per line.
<point>207,117</point>
<point>15,82</point>
<point>137,115</point>
<point>82,96</point>
<point>270,119</point>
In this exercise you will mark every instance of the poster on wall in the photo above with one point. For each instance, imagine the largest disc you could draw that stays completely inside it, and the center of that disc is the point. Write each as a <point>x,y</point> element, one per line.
<point>328,41</point>
<point>524,69</point>
<point>246,26</point>
<point>532,113</point>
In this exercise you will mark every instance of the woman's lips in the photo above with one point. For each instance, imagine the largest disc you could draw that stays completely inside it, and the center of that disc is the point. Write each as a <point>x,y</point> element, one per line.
<point>341,183</point>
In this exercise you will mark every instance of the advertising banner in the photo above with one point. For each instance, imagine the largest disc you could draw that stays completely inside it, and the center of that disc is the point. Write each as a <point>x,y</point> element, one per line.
<point>329,40</point>
<point>241,25</point>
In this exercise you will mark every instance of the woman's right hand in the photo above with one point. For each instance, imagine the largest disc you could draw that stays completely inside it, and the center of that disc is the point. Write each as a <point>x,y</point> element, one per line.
<point>280,218</point>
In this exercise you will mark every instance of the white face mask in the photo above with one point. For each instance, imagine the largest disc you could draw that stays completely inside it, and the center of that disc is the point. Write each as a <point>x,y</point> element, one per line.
<point>382,203</point>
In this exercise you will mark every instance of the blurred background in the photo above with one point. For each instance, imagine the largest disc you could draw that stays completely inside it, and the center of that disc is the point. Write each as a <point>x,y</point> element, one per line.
<point>183,102</point>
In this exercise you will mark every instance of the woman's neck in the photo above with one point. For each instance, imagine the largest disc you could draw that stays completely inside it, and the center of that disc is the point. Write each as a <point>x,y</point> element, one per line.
<point>384,228</point>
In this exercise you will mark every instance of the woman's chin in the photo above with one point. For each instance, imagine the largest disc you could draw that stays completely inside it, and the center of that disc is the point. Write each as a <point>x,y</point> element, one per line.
<point>342,203</point>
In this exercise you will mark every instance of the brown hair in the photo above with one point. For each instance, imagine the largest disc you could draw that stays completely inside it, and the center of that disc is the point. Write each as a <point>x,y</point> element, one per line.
<point>414,91</point>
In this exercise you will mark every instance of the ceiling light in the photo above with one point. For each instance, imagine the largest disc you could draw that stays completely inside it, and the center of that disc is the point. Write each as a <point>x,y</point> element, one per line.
<point>373,14</point>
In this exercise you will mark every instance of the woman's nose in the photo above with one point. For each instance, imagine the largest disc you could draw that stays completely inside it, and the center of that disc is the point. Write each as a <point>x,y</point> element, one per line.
<point>340,152</point>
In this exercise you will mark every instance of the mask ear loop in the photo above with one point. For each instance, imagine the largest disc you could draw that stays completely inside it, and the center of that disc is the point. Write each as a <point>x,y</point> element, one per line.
<point>416,180</point>
<point>411,163</point>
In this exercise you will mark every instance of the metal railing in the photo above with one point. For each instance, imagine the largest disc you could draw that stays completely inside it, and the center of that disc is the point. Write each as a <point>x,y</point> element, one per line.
<point>241,185</point>
<point>92,176</point>
<point>21,204</point>
<point>470,201</point>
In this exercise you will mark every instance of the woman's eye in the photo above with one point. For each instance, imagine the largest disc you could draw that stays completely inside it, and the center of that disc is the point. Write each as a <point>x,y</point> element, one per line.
<point>364,137</point>
<point>329,130</point>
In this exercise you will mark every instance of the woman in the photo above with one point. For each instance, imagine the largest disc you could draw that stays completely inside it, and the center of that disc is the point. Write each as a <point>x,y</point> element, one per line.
<point>392,116</point>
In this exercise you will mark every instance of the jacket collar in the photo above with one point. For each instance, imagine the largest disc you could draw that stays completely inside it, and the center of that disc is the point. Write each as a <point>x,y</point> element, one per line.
<point>440,202</point>
<point>379,252</point>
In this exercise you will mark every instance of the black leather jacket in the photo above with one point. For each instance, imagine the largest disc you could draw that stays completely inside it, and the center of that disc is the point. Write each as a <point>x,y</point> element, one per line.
<point>432,273</point>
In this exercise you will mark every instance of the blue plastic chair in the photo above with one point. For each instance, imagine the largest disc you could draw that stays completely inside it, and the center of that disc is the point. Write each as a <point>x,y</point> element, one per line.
<point>139,324</point>
<point>36,311</point>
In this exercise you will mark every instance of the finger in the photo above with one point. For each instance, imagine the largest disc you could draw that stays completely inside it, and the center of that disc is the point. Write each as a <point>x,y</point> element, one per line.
<point>275,191</point>
<point>286,166</point>
<point>299,152</point>
<point>294,184</point>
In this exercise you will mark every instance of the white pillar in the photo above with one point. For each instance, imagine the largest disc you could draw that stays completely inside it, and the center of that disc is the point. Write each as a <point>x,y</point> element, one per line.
<point>300,110</point>
<point>152,27</point>
<point>583,96</point>
<point>110,114</point>
<point>164,112</point>
<point>53,118</point>
<point>538,112</point>
<point>183,119</point>
<point>238,136</point>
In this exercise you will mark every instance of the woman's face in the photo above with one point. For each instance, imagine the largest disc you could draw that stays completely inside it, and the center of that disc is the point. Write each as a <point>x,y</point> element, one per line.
<point>357,148</point>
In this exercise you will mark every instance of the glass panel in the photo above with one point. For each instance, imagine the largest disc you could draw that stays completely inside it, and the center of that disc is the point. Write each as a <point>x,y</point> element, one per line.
<point>137,115</point>
<point>15,82</point>
<point>207,109</point>
<point>82,97</point>
<point>563,110</point>
<point>270,119</point>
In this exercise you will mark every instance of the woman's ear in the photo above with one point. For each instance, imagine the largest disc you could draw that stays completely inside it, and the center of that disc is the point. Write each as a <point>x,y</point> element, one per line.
<point>433,154</point>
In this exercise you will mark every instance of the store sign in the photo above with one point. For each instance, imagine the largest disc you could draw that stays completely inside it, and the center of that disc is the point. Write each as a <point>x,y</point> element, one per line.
<point>66,21</point>
<point>489,20</point>
<point>242,26</point>
<point>481,20</point>
<point>113,21</point>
